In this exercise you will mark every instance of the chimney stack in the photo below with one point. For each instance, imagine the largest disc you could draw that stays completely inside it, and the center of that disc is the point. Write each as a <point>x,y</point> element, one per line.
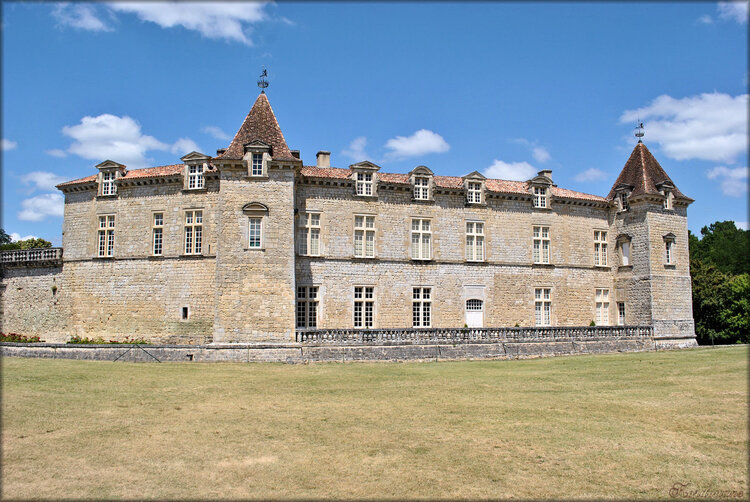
<point>295,153</point>
<point>546,172</point>
<point>324,159</point>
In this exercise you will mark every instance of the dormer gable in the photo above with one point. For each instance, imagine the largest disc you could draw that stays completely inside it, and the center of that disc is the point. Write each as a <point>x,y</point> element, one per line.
<point>196,164</point>
<point>621,195</point>
<point>364,175</point>
<point>540,188</point>
<point>474,186</point>
<point>256,156</point>
<point>421,179</point>
<point>666,188</point>
<point>109,172</point>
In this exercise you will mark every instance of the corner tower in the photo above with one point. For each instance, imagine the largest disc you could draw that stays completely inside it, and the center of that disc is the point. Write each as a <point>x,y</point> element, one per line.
<point>255,222</point>
<point>652,280</point>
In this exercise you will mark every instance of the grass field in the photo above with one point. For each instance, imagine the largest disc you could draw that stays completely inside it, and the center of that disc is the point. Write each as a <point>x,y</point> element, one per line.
<point>606,426</point>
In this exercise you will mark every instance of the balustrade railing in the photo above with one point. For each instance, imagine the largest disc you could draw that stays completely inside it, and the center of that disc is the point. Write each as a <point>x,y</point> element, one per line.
<point>469,335</point>
<point>31,257</point>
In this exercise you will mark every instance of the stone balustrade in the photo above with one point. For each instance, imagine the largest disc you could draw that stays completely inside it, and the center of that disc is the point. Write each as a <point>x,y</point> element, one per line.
<point>416,336</point>
<point>38,257</point>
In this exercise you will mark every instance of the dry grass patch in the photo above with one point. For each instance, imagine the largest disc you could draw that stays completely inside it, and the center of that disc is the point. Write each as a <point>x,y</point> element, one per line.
<point>612,426</point>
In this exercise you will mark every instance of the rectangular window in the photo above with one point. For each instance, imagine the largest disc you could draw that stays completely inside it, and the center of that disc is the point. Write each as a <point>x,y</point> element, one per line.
<point>193,232</point>
<point>421,188</point>
<point>108,184</point>
<point>602,307</point>
<point>309,238</point>
<point>624,206</point>
<point>669,251</point>
<point>254,232</point>
<point>107,235</point>
<point>540,197</point>
<point>364,183</point>
<point>421,239</point>
<point>625,253</point>
<point>600,248</point>
<point>541,245</point>
<point>543,306</point>
<point>364,236</point>
<point>257,167</point>
<point>668,200</point>
<point>621,313</point>
<point>307,306</point>
<point>474,241</point>
<point>157,240</point>
<point>195,176</point>
<point>421,307</point>
<point>474,193</point>
<point>364,306</point>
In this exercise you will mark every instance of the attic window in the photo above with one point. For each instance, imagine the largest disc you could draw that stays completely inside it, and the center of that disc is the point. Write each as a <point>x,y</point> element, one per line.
<point>474,192</point>
<point>540,197</point>
<point>257,165</point>
<point>668,196</point>
<point>364,183</point>
<point>108,183</point>
<point>622,198</point>
<point>421,188</point>
<point>195,177</point>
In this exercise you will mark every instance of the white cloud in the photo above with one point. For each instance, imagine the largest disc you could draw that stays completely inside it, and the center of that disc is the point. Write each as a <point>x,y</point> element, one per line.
<point>733,181</point>
<point>744,225</point>
<point>41,206</point>
<point>42,180</point>
<point>15,237</point>
<point>56,152</point>
<point>356,150</point>
<point>592,174</point>
<point>220,20</point>
<point>706,19</point>
<point>733,10</point>
<point>81,16</point>
<point>518,171</point>
<point>111,137</point>
<point>421,142</point>
<point>8,144</point>
<point>540,153</point>
<point>709,126</point>
<point>216,133</point>
<point>183,146</point>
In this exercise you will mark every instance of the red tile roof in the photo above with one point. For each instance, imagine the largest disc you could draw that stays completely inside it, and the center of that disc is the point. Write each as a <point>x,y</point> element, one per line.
<point>643,172</point>
<point>259,125</point>
<point>148,172</point>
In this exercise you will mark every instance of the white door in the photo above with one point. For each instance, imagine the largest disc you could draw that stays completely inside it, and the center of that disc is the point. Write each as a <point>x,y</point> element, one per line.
<point>475,313</point>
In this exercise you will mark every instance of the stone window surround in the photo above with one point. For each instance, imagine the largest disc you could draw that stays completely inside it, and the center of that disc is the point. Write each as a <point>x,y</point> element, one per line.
<point>543,305</point>
<point>105,240</point>
<point>421,179</point>
<point>424,235</point>
<point>626,258</point>
<point>365,231</point>
<point>251,150</point>
<point>361,302</point>
<point>475,235</point>
<point>157,230</point>
<point>307,229</point>
<point>193,231</point>
<point>669,257</point>
<point>601,258</point>
<point>421,306</point>
<point>542,237</point>
<point>252,212</point>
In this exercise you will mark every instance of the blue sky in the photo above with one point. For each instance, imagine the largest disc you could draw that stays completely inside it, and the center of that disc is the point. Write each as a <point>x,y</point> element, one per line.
<point>506,89</point>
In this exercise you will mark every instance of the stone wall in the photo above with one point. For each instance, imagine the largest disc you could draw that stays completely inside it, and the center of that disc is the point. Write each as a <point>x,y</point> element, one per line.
<point>34,301</point>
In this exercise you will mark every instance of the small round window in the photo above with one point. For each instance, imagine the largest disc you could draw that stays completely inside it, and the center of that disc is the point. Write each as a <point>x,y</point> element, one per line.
<point>474,305</point>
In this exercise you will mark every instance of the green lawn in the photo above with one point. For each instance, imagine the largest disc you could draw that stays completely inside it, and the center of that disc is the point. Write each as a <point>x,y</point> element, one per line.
<point>605,426</point>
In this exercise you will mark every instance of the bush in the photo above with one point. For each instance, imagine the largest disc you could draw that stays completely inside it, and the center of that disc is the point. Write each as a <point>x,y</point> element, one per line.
<point>16,338</point>
<point>100,341</point>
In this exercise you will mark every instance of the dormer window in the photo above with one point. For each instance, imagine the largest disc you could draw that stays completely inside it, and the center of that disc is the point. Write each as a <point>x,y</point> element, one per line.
<point>540,197</point>
<point>622,198</point>
<point>195,177</point>
<point>109,172</point>
<point>665,188</point>
<point>256,157</point>
<point>364,183</point>
<point>540,189</point>
<point>108,183</point>
<point>364,175</point>
<point>421,188</point>
<point>474,192</point>
<point>668,200</point>
<point>256,168</point>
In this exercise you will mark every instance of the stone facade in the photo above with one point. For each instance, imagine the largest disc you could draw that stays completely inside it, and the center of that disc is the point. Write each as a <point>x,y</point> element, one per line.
<point>272,229</point>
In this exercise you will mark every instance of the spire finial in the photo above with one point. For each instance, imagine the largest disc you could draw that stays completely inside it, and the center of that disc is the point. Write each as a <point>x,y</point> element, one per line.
<point>263,82</point>
<point>639,131</point>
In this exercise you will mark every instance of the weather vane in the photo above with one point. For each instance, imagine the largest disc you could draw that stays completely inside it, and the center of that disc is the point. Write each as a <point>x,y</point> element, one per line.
<point>263,82</point>
<point>639,131</point>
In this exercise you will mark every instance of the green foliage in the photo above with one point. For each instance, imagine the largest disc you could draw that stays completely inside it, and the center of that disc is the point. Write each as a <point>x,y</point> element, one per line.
<point>592,323</point>
<point>4,238</point>
<point>25,244</point>
<point>16,338</point>
<point>100,341</point>
<point>723,245</point>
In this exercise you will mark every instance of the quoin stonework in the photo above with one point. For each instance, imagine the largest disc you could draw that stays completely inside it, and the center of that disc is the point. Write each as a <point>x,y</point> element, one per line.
<point>251,245</point>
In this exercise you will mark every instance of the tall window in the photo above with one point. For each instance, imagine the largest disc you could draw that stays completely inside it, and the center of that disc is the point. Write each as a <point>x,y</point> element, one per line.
<point>107,235</point>
<point>669,251</point>
<point>193,232</point>
<point>257,167</point>
<point>309,239</point>
<point>624,206</point>
<point>602,307</point>
<point>543,306</point>
<point>108,184</point>
<point>600,248</point>
<point>364,236</point>
<point>474,241</point>
<point>157,240</point>
<point>421,188</point>
<point>195,176</point>
<point>364,306</point>
<point>474,192</point>
<point>421,239</point>
<point>307,306</point>
<point>421,307</point>
<point>625,252</point>
<point>364,183</point>
<point>254,232</point>
<point>668,199</point>
<point>541,245</point>
<point>540,196</point>
<point>621,313</point>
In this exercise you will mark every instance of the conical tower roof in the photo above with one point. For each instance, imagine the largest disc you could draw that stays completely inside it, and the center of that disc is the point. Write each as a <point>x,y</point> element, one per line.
<point>259,125</point>
<point>643,172</point>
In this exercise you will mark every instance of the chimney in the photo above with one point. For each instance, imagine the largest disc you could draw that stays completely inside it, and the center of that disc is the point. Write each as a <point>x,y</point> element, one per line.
<point>324,159</point>
<point>546,172</point>
<point>219,151</point>
<point>295,153</point>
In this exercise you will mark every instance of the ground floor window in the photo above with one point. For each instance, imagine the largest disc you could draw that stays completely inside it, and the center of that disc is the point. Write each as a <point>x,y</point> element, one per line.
<point>621,313</point>
<point>421,307</point>
<point>543,306</point>
<point>602,307</point>
<point>364,306</point>
<point>307,306</point>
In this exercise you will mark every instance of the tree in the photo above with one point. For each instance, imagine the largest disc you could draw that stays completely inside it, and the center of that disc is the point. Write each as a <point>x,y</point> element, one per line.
<point>723,245</point>
<point>4,238</point>
<point>7,244</point>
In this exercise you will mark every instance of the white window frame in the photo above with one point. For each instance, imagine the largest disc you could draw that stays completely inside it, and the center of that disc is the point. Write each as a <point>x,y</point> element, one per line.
<point>364,184</point>
<point>257,164</point>
<point>421,307</point>
<point>157,233</point>
<point>421,188</point>
<point>621,313</point>
<point>196,181</point>
<point>255,232</point>
<point>543,306</point>
<point>475,241</point>
<point>473,192</point>
<point>309,234</point>
<point>421,239</point>
<point>600,248</point>
<point>308,301</point>
<point>541,245</point>
<point>364,236</point>
<point>108,183</point>
<point>364,307</point>
<point>601,306</point>
<point>541,197</point>
<point>668,196</point>
<point>193,225</point>
<point>669,258</point>
<point>106,236</point>
<point>626,248</point>
<point>623,198</point>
